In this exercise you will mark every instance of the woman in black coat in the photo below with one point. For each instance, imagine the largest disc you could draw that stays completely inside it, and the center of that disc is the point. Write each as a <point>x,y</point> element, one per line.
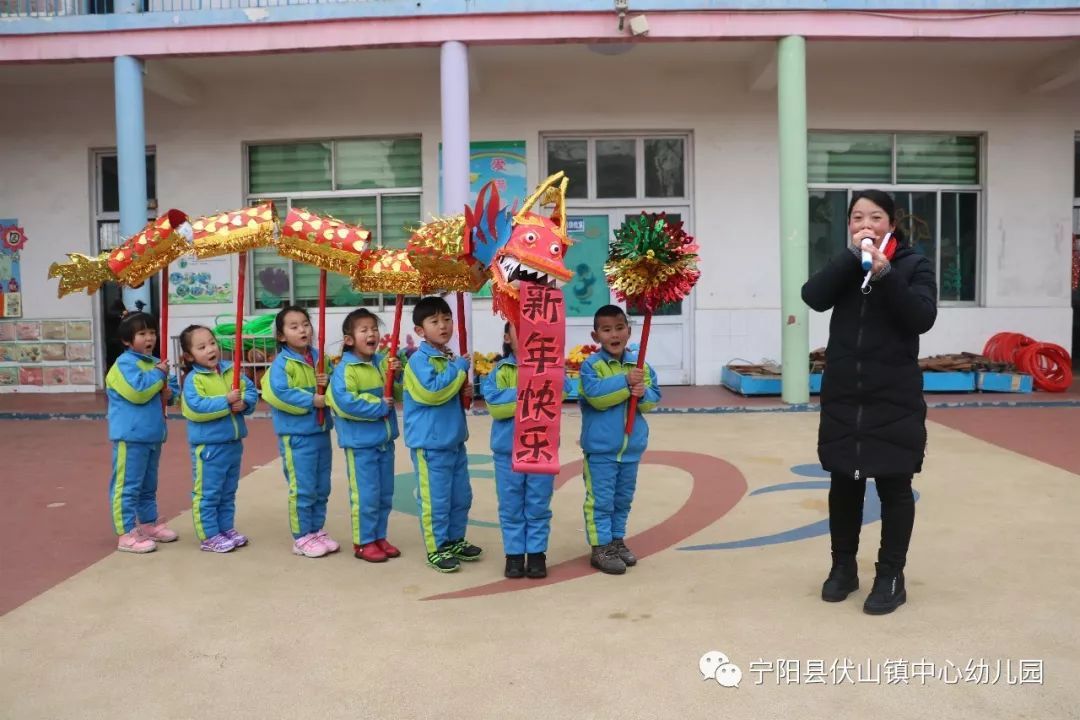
<point>873,416</point>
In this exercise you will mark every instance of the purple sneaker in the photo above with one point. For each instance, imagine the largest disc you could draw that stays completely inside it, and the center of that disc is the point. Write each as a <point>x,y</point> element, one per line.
<point>237,539</point>
<point>218,544</point>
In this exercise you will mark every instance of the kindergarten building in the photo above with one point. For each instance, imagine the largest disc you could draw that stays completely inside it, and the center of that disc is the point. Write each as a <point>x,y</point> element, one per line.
<point>750,121</point>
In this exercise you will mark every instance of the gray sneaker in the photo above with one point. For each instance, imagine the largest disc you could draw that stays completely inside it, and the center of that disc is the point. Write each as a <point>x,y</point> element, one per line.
<point>629,558</point>
<point>605,558</point>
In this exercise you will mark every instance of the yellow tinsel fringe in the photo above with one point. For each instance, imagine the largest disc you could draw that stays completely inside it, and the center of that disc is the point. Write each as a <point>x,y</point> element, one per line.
<point>320,256</point>
<point>442,236</point>
<point>234,241</point>
<point>637,277</point>
<point>444,282</point>
<point>392,283</point>
<point>236,231</point>
<point>154,260</point>
<point>81,273</point>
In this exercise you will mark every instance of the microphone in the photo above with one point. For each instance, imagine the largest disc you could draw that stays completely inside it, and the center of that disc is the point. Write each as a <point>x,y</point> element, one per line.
<point>867,259</point>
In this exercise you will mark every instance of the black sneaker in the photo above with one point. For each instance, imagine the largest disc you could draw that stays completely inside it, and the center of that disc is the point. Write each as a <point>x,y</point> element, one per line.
<point>443,562</point>
<point>842,581</point>
<point>888,592</point>
<point>536,567</point>
<point>515,566</point>
<point>462,549</point>
<point>605,558</point>
<point>628,558</point>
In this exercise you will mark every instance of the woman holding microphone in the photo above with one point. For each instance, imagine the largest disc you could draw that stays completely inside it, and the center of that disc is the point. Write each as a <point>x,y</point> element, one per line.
<point>873,416</point>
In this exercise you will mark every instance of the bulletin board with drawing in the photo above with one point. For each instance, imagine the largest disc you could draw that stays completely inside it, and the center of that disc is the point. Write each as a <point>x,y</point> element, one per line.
<point>12,241</point>
<point>501,162</point>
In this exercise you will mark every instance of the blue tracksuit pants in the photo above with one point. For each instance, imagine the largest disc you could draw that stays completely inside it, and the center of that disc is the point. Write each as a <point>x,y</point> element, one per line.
<point>609,490</point>
<point>306,461</point>
<point>371,491</point>
<point>524,508</point>
<point>133,486</point>
<point>215,478</point>
<point>444,496</point>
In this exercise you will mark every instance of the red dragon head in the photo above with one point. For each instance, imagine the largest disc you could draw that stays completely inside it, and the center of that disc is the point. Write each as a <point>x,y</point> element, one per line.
<point>520,246</point>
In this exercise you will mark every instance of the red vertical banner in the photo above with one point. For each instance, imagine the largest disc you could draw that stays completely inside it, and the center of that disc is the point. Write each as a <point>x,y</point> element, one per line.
<point>541,366</point>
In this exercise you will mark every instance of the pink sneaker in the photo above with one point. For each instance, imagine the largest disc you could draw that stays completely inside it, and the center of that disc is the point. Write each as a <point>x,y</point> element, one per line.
<point>134,542</point>
<point>329,542</point>
<point>238,539</point>
<point>309,546</point>
<point>157,531</point>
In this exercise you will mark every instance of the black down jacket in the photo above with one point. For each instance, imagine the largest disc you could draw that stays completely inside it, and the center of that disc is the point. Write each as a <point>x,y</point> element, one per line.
<point>873,416</point>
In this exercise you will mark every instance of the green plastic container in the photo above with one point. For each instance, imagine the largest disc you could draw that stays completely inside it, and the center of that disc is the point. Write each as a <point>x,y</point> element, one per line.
<point>258,333</point>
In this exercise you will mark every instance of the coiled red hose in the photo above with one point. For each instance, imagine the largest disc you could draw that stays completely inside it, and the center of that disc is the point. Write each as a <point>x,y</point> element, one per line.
<point>1004,346</point>
<point>1049,365</point>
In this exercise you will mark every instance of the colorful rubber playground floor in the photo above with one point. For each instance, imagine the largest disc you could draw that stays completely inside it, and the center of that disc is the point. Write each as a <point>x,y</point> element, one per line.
<point>730,522</point>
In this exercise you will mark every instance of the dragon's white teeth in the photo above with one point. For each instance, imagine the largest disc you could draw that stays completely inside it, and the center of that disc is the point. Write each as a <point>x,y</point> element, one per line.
<point>533,275</point>
<point>515,272</point>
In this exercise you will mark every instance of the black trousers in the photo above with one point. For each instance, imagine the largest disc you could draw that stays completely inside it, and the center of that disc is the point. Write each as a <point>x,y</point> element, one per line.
<point>897,516</point>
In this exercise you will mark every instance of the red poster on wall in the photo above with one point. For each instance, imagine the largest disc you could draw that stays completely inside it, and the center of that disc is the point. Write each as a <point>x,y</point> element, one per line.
<point>541,358</point>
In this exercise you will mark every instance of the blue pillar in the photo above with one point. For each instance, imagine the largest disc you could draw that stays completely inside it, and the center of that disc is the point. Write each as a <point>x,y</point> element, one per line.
<point>454,71</point>
<point>131,159</point>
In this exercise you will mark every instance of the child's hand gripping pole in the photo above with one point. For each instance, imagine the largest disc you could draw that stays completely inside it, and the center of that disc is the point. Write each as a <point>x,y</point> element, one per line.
<point>631,411</point>
<point>388,390</point>
<point>238,347</point>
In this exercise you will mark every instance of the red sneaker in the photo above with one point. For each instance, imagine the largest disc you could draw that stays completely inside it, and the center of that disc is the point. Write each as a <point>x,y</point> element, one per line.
<point>390,550</point>
<point>372,553</point>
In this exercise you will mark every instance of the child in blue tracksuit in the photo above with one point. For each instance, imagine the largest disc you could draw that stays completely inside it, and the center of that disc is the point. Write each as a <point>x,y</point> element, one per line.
<point>291,388</point>
<point>215,414</point>
<point>135,384</point>
<point>366,430</point>
<point>435,431</point>
<point>609,378</point>
<point>524,499</point>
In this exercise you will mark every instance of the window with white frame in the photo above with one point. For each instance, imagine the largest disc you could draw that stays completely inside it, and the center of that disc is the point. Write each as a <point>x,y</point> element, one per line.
<point>107,196</point>
<point>936,181</point>
<point>613,169</point>
<point>625,173</point>
<point>372,182</point>
<point>107,234</point>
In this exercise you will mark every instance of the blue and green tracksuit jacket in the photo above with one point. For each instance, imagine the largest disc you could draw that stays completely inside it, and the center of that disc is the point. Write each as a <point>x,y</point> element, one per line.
<point>605,395</point>
<point>364,418</point>
<point>203,403</point>
<point>500,394</point>
<point>289,389</point>
<point>133,385</point>
<point>434,417</point>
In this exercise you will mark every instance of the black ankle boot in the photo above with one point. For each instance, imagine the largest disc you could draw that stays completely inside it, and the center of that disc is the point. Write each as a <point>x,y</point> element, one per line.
<point>888,592</point>
<point>515,566</point>
<point>843,579</point>
<point>536,566</point>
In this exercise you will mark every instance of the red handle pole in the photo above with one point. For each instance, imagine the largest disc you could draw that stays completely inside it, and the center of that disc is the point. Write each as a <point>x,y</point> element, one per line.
<point>463,344</point>
<point>388,390</point>
<point>163,334</point>
<point>238,348</point>
<point>321,389</point>
<point>632,410</point>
